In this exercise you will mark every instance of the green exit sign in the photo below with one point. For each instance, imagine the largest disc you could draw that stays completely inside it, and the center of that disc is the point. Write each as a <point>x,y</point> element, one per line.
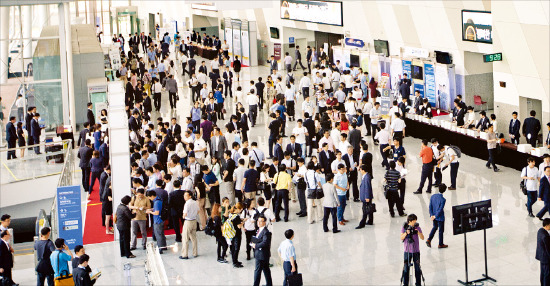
<point>492,57</point>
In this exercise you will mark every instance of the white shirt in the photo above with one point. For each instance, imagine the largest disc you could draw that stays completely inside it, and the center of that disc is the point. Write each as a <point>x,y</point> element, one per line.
<point>307,107</point>
<point>449,152</point>
<point>270,217</point>
<point>357,94</point>
<point>397,125</point>
<point>471,118</point>
<point>326,82</point>
<point>343,146</point>
<point>191,209</point>
<point>392,112</point>
<point>187,183</point>
<point>249,223</point>
<point>20,102</point>
<point>289,94</point>
<point>239,95</point>
<point>238,177</point>
<point>288,60</point>
<point>541,169</point>
<point>383,137</point>
<point>300,133</point>
<point>199,144</point>
<point>305,82</point>
<point>335,135</point>
<point>201,78</point>
<point>252,99</point>
<point>350,107</point>
<point>531,185</point>
<point>214,64</point>
<point>336,76</point>
<point>335,163</point>
<point>374,114</point>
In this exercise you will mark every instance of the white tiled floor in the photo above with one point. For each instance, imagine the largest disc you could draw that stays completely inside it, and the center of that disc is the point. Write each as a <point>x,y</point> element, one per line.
<point>371,256</point>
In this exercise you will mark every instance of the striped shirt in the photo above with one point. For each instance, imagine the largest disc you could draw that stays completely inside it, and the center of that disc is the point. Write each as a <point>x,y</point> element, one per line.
<point>392,176</point>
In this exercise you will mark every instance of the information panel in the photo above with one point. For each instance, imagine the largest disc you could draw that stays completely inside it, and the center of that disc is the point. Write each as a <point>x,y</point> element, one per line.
<point>429,80</point>
<point>69,215</point>
<point>322,12</point>
<point>477,26</point>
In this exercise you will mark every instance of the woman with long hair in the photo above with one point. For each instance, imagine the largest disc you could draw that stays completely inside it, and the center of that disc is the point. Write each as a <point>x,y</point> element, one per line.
<point>266,181</point>
<point>217,225</point>
<point>200,193</point>
<point>234,235</point>
<point>372,88</point>
<point>249,226</point>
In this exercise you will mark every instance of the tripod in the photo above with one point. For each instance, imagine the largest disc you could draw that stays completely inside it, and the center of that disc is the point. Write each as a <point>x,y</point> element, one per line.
<point>407,267</point>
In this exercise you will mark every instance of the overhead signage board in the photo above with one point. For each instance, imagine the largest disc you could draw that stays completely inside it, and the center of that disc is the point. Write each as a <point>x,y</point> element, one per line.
<point>354,43</point>
<point>477,26</point>
<point>321,12</point>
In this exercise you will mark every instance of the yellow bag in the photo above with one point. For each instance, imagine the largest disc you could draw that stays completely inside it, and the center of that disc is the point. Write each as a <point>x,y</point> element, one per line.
<point>228,230</point>
<point>64,280</point>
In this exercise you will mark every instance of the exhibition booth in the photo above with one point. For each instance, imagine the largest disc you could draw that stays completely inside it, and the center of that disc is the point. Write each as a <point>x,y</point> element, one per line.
<point>241,36</point>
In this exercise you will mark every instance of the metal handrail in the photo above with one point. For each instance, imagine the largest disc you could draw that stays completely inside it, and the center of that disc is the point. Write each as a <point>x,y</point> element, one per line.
<point>36,145</point>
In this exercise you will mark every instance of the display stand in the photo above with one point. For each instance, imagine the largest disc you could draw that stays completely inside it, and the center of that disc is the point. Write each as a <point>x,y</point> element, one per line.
<point>471,217</point>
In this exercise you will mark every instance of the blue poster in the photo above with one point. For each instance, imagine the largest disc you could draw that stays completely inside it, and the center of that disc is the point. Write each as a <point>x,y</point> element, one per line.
<point>69,215</point>
<point>429,79</point>
<point>420,88</point>
<point>407,68</point>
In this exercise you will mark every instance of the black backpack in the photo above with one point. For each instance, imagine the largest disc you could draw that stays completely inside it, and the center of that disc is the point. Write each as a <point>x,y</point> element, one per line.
<point>457,150</point>
<point>209,230</point>
<point>257,216</point>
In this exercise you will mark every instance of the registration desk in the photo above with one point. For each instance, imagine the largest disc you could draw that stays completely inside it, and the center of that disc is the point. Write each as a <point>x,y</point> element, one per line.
<point>205,52</point>
<point>469,145</point>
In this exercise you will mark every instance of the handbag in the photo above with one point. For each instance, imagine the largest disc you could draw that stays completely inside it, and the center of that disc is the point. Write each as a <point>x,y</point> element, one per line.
<point>386,189</point>
<point>371,208</point>
<point>522,183</point>
<point>66,279</point>
<point>294,279</point>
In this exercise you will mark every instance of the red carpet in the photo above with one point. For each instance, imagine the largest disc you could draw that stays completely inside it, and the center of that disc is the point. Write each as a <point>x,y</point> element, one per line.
<point>434,113</point>
<point>94,232</point>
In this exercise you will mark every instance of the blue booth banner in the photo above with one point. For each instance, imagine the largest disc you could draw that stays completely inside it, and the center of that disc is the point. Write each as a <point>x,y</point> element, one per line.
<point>429,80</point>
<point>420,88</point>
<point>69,215</point>
<point>354,42</point>
<point>407,68</point>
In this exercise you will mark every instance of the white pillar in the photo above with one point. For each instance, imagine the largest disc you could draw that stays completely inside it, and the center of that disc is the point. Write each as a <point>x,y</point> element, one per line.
<point>63,64</point>
<point>43,15</point>
<point>70,77</point>
<point>27,30</point>
<point>4,43</point>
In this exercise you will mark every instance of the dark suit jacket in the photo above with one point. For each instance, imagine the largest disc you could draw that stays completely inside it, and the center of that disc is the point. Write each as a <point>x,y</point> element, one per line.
<point>460,117</point>
<point>310,126</point>
<point>222,146</point>
<point>514,128</point>
<point>345,157</point>
<point>85,155</point>
<point>543,246</point>
<point>308,55</point>
<point>231,127</point>
<point>91,117</point>
<point>81,277</point>
<point>244,122</point>
<point>11,133</point>
<point>365,190</point>
<point>354,138</point>
<point>417,103</point>
<point>273,65</point>
<point>28,119</point>
<point>162,154</point>
<point>531,126</point>
<point>297,150</point>
<point>278,152</point>
<point>177,130</point>
<point>82,137</point>
<point>325,160</point>
<point>544,189</point>
<point>367,160</point>
<point>228,166</point>
<point>483,124</point>
<point>176,202</point>
<point>35,130</point>
<point>133,124</point>
<point>273,170</point>
<point>203,69</point>
<point>6,258</point>
<point>262,249</point>
<point>103,184</point>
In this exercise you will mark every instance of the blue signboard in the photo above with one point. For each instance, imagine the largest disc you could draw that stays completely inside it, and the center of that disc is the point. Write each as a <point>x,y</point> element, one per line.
<point>407,68</point>
<point>291,40</point>
<point>69,215</point>
<point>420,88</point>
<point>354,43</point>
<point>429,79</point>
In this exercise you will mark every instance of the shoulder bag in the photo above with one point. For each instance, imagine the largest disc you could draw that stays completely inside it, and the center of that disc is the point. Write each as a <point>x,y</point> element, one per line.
<point>66,279</point>
<point>522,185</point>
<point>44,265</point>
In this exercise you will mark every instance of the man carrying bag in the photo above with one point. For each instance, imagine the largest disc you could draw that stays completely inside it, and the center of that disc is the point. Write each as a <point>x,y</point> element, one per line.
<point>60,263</point>
<point>44,248</point>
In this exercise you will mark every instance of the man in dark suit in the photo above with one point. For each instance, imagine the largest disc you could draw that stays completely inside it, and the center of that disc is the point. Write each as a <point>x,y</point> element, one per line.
<point>273,65</point>
<point>133,123</point>
<point>11,137</point>
<point>354,139</point>
<point>366,158</point>
<point>81,276</point>
<point>351,168</point>
<point>483,123</point>
<point>233,124</point>
<point>309,124</point>
<point>90,114</point>
<point>365,196</point>
<point>203,68</point>
<point>544,191</point>
<point>83,132</point>
<point>531,128</point>
<point>243,125</point>
<point>278,149</point>
<point>6,257</point>
<point>417,101</point>
<point>218,144</point>
<point>261,243</point>
<point>405,87</point>
<point>458,113</point>
<point>85,155</point>
<point>513,128</point>
<point>28,118</point>
<point>543,252</point>
<point>36,131</point>
<point>294,148</point>
<point>175,128</point>
<point>325,159</point>
<point>176,203</point>
<point>298,58</point>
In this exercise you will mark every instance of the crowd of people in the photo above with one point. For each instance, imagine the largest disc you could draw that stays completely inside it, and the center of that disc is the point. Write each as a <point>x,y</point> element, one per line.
<point>208,174</point>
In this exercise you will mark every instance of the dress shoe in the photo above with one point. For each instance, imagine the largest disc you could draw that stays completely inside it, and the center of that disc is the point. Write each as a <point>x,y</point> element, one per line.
<point>336,231</point>
<point>299,213</point>
<point>451,189</point>
<point>429,243</point>
<point>286,220</point>
<point>131,256</point>
<point>132,248</point>
<point>392,215</point>
<point>222,261</point>
<point>531,215</point>
<point>402,215</point>
<point>539,218</point>
<point>345,220</point>
<point>181,257</point>
<point>342,223</point>
<point>417,192</point>
<point>277,219</point>
<point>161,251</point>
<point>370,223</point>
<point>144,247</point>
<point>359,227</point>
<point>326,230</point>
<point>429,192</point>
<point>496,170</point>
<point>442,246</point>
<point>356,200</point>
<point>302,215</point>
<point>238,266</point>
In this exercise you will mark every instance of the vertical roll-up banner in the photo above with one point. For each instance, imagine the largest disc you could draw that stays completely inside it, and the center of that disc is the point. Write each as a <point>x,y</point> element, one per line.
<point>229,39</point>
<point>246,48</point>
<point>429,80</point>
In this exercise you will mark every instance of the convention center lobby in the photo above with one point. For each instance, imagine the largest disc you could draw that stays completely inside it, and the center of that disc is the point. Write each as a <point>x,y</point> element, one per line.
<point>276,142</point>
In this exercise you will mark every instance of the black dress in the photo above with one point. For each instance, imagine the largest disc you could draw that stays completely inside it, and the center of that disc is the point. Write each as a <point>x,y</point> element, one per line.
<point>20,137</point>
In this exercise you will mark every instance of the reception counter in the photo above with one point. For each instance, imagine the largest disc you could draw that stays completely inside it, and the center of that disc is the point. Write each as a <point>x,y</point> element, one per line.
<point>205,52</point>
<point>469,145</point>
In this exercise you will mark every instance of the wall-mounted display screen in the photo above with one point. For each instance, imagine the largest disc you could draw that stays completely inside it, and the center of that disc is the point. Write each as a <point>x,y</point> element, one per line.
<point>322,12</point>
<point>274,32</point>
<point>417,72</point>
<point>382,47</point>
<point>477,26</point>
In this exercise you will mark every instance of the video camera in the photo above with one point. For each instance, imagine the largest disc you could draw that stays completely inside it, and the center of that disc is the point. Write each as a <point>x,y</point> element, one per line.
<point>412,229</point>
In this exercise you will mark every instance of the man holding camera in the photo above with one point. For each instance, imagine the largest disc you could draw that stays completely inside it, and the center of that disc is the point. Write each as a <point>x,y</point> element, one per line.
<point>410,233</point>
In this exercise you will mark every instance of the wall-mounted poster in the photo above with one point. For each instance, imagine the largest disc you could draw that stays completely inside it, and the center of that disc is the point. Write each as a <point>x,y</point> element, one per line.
<point>429,79</point>
<point>322,12</point>
<point>237,43</point>
<point>229,39</point>
<point>246,48</point>
<point>477,26</point>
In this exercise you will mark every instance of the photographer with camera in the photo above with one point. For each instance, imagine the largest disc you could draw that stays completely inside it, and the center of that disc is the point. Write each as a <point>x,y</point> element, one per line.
<point>410,233</point>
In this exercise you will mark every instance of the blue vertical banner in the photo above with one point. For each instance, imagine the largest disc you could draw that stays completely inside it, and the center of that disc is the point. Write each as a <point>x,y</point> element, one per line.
<point>420,87</point>
<point>69,215</point>
<point>429,80</point>
<point>407,68</point>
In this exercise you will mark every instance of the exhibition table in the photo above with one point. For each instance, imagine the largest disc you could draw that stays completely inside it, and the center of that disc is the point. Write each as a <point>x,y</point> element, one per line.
<point>469,145</point>
<point>205,52</point>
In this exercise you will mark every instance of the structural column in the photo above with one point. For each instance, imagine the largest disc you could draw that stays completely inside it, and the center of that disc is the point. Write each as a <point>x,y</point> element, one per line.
<point>27,18</point>
<point>43,14</point>
<point>4,43</point>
